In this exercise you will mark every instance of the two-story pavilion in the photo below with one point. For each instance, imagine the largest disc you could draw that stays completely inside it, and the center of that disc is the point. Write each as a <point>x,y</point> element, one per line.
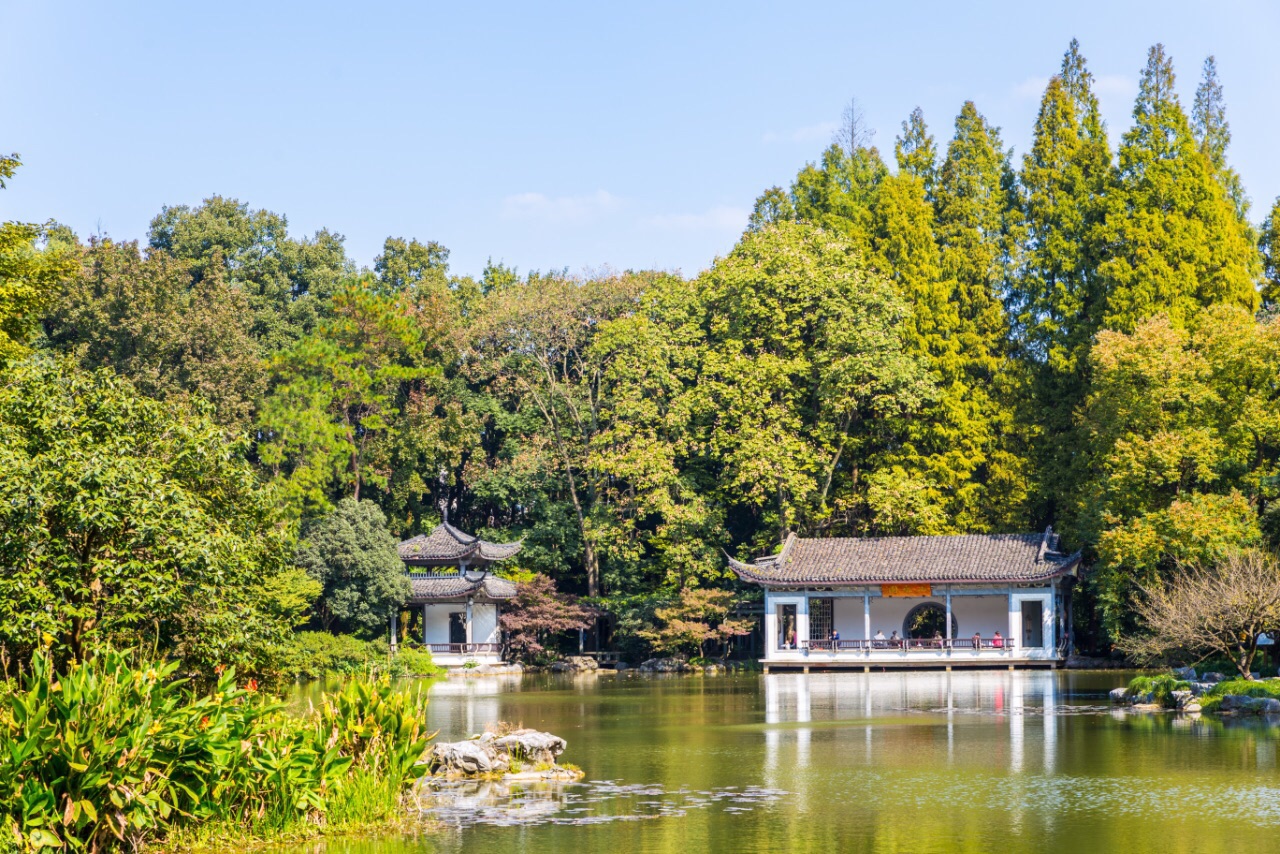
<point>450,578</point>
<point>942,601</point>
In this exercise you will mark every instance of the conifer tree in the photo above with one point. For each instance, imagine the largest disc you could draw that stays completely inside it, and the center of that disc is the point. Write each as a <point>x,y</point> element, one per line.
<point>1064,179</point>
<point>977,225</point>
<point>1269,243</point>
<point>1213,133</point>
<point>837,193</point>
<point>916,152</point>
<point>1176,241</point>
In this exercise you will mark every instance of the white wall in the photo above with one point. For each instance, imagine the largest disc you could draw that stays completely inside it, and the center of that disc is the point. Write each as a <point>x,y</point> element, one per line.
<point>484,624</point>
<point>985,614</point>
<point>436,620</point>
<point>847,614</point>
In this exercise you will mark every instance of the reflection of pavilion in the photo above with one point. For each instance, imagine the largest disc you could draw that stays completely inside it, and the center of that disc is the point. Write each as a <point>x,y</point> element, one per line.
<point>968,600</point>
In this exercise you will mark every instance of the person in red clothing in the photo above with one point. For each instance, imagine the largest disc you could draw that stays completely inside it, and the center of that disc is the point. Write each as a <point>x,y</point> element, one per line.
<point>997,642</point>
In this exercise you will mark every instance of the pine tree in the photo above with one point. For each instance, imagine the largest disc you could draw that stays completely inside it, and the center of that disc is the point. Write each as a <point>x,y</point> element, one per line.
<point>1176,241</point>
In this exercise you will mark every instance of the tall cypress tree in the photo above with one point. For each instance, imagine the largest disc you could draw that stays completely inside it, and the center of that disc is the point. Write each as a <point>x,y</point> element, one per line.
<point>1064,179</point>
<point>977,227</point>
<point>837,193</point>
<point>1176,242</point>
<point>916,153</point>
<point>1213,133</point>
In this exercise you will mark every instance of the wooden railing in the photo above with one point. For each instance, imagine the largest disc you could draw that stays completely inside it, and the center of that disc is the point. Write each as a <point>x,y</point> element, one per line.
<point>464,648</point>
<point>908,644</point>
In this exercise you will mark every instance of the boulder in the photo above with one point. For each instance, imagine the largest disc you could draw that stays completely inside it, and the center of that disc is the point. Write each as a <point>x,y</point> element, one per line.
<point>1200,688</point>
<point>1187,674</point>
<point>1212,677</point>
<point>1193,706</point>
<point>1181,698</point>
<point>466,758</point>
<point>1240,703</point>
<point>527,744</point>
<point>1119,695</point>
<point>1268,706</point>
<point>575,664</point>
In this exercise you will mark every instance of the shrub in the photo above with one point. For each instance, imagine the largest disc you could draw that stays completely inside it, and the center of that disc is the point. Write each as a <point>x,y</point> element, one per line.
<point>314,655</point>
<point>113,755</point>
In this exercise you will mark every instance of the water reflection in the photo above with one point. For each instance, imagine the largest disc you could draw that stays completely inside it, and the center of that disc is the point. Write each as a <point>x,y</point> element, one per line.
<point>1021,762</point>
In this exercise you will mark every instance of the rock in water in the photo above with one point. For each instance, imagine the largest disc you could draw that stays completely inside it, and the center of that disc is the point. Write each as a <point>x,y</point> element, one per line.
<point>467,758</point>
<point>529,744</point>
<point>1119,695</point>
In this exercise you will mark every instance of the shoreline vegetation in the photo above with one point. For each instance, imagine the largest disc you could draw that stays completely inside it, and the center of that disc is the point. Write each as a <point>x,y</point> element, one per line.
<point>1208,692</point>
<point>118,753</point>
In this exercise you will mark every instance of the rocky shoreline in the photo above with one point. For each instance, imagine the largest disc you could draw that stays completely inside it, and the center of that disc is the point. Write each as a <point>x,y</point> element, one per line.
<point>1199,694</point>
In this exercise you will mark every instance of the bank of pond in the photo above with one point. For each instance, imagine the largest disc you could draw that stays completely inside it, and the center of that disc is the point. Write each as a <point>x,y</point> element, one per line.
<point>1201,693</point>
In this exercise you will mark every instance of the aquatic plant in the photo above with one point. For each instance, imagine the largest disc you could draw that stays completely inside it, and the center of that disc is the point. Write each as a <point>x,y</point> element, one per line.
<point>1160,688</point>
<point>118,754</point>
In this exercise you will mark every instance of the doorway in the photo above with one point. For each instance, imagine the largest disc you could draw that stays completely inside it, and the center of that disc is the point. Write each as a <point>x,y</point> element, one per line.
<point>457,627</point>
<point>786,626</point>
<point>1032,623</point>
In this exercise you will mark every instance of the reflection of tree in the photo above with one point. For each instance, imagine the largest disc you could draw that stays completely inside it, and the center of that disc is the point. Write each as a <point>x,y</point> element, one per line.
<point>928,620</point>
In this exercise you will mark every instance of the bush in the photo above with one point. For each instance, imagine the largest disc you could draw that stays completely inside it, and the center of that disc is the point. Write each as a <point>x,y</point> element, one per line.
<point>1247,688</point>
<point>314,655</point>
<point>113,755</point>
<point>1160,688</point>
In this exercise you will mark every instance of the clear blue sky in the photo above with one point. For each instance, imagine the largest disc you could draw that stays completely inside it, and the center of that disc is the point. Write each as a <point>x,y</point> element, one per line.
<point>549,135</point>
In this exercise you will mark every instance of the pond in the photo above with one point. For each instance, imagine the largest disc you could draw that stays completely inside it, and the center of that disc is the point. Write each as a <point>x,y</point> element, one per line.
<point>919,762</point>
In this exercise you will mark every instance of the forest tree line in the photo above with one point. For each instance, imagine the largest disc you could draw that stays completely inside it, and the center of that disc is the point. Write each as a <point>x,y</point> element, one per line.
<point>951,341</point>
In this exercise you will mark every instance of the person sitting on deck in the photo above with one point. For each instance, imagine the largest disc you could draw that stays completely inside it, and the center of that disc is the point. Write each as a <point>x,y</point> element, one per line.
<point>937,638</point>
<point>835,639</point>
<point>894,640</point>
<point>880,634</point>
<point>977,640</point>
<point>997,642</point>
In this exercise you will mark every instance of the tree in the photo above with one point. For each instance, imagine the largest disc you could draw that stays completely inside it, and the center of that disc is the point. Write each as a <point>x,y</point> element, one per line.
<point>1222,609</point>
<point>29,276</point>
<point>173,336</point>
<point>286,281</point>
<point>131,522</point>
<point>336,393</point>
<point>1269,244</point>
<point>1184,432</point>
<point>1059,295</point>
<point>354,557</point>
<point>1213,133</point>
<point>977,227</point>
<point>697,618</point>
<point>531,344</point>
<point>1175,242</point>
<point>537,613</point>
<point>806,357</point>
<point>916,153</point>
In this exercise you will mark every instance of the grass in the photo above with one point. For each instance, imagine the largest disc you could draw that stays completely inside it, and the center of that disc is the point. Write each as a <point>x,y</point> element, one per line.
<point>1160,688</point>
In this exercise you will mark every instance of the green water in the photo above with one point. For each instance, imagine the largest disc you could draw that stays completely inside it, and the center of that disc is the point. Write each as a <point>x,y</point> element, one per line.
<point>918,762</point>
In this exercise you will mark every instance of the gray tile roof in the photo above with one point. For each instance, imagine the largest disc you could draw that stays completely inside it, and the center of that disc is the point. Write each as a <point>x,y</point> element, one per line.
<point>425,589</point>
<point>972,558</point>
<point>447,545</point>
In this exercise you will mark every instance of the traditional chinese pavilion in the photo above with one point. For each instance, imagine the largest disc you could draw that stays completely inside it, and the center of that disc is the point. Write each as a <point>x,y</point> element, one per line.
<point>942,601</point>
<point>450,578</point>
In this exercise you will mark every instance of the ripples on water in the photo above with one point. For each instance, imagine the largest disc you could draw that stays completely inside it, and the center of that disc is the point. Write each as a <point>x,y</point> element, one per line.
<point>497,804</point>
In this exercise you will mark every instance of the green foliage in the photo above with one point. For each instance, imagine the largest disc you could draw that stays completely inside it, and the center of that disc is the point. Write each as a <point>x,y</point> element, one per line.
<point>131,522</point>
<point>696,618</point>
<point>1160,688</point>
<point>315,655</point>
<point>1242,687</point>
<point>351,553</point>
<point>109,756</point>
<point>29,276</point>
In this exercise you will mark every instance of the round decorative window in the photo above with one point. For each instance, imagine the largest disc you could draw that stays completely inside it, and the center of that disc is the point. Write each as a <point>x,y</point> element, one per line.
<point>927,620</point>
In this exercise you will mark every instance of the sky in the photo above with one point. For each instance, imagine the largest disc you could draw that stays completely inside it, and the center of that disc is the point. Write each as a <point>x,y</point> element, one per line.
<point>550,135</point>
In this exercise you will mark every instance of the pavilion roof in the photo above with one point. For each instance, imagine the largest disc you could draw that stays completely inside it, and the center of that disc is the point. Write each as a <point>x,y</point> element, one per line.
<point>437,588</point>
<point>960,558</point>
<point>446,546</point>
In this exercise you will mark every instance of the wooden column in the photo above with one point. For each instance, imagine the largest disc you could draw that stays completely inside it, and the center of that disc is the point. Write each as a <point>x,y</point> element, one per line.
<point>948,612</point>
<point>866,615</point>
<point>469,620</point>
<point>395,615</point>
